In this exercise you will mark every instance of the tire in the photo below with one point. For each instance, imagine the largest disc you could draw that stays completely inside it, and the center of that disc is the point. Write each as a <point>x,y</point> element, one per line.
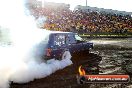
<point>66,55</point>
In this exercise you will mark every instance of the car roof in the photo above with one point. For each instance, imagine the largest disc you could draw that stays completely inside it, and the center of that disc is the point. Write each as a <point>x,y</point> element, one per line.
<point>55,32</point>
<point>61,32</point>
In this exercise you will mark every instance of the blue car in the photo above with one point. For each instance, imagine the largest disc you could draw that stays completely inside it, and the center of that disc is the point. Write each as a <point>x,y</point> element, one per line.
<point>60,42</point>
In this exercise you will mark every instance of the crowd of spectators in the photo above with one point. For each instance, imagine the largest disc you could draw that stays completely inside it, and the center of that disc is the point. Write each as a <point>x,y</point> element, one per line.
<point>85,22</point>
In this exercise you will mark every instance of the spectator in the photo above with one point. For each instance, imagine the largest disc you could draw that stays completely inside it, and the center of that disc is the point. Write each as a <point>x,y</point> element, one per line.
<point>82,22</point>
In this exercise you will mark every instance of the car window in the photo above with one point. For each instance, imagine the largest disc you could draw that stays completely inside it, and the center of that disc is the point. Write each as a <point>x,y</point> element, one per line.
<point>59,39</point>
<point>70,39</point>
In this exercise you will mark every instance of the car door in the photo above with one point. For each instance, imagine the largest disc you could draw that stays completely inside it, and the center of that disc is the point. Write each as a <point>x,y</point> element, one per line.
<point>71,43</point>
<point>79,43</point>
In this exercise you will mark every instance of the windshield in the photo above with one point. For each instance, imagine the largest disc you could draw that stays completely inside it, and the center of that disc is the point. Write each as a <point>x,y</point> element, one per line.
<point>77,37</point>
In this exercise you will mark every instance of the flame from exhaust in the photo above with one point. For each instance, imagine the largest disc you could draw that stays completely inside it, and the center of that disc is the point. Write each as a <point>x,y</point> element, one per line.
<point>81,71</point>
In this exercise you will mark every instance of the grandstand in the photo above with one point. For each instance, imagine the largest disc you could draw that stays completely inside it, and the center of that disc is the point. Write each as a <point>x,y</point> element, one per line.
<point>84,20</point>
<point>86,8</point>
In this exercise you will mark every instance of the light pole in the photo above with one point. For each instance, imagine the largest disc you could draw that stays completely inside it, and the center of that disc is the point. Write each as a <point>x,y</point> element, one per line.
<point>86,2</point>
<point>43,3</point>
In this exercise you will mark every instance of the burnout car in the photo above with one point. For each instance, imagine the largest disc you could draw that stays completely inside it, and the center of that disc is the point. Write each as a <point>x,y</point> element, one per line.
<point>59,44</point>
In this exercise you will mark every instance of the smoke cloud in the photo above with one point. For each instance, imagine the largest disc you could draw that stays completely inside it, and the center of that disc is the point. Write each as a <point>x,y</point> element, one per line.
<point>20,57</point>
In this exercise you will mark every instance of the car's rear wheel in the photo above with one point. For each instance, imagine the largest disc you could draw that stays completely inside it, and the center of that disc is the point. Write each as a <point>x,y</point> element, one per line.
<point>66,55</point>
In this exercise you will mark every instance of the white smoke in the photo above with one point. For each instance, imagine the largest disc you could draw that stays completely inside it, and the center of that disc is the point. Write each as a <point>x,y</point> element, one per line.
<point>20,61</point>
